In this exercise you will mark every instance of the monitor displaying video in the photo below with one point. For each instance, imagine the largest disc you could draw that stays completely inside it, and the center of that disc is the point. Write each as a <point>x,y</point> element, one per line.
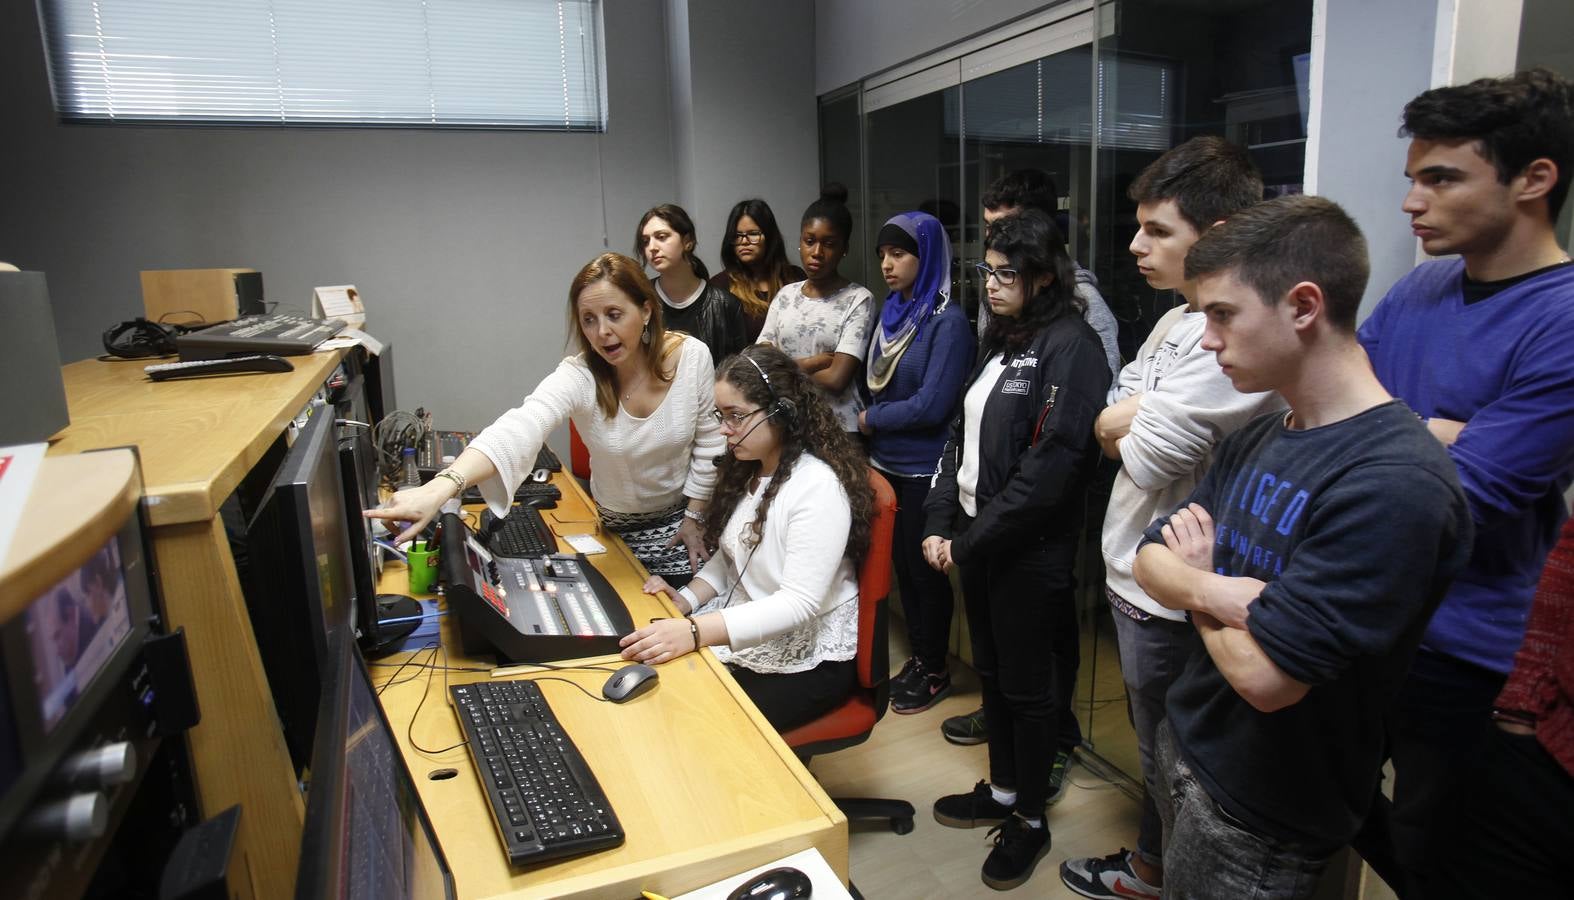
<point>74,628</point>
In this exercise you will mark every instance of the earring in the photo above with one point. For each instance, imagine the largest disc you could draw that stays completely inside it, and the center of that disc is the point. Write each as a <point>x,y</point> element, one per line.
<point>644,335</point>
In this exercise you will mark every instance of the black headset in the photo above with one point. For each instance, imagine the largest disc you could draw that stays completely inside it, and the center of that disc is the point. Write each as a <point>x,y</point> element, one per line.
<point>141,338</point>
<point>780,406</point>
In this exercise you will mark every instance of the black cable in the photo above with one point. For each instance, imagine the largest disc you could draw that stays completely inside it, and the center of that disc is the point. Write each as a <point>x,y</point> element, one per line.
<point>582,688</point>
<point>429,645</point>
<point>409,729</point>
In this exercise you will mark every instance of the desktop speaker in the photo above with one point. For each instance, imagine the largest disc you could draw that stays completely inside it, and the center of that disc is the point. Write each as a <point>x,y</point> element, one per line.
<point>192,296</point>
<point>30,367</point>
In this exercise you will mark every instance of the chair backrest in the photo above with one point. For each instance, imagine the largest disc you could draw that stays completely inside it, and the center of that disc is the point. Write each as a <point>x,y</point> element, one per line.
<point>874,586</point>
<point>578,453</point>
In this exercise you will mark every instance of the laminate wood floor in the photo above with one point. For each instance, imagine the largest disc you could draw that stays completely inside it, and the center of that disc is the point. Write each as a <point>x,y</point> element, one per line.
<point>907,758</point>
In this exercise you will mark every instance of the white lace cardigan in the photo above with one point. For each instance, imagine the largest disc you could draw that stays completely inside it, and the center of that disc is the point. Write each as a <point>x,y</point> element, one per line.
<point>636,465</point>
<point>790,603</point>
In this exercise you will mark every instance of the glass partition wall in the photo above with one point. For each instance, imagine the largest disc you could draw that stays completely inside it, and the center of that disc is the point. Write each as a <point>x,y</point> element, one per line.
<point>1090,98</point>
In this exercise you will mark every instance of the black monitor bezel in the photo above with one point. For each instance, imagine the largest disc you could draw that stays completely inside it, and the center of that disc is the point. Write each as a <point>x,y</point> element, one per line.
<point>321,875</point>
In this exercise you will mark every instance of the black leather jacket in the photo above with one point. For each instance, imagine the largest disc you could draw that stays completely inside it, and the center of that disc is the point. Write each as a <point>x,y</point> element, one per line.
<point>1036,448</point>
<point>716,318</point>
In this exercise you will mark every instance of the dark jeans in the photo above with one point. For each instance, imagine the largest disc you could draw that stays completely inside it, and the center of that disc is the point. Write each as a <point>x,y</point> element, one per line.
<point>1016,600</point>
<point>1514,828</point>
<point>1208,853</point>
<point>790,699</point>
<point>1152,654</point>
<point>926,594</point>
<point>1434,725</point>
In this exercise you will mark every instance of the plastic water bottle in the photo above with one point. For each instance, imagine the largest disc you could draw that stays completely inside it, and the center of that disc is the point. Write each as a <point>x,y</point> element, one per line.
<point>409,475</point>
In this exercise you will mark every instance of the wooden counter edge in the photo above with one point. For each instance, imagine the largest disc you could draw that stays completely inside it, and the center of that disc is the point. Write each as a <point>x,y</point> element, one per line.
<point>76,505</point>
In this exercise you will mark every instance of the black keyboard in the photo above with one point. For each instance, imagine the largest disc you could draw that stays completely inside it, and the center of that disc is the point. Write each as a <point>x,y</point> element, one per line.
<point>546,459</point>
<point>541,495</point>
<point>545,800</point>
<point>522,533</point>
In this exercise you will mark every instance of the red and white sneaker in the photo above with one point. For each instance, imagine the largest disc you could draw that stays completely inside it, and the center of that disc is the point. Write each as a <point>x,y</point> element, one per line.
<point>1108,877</point>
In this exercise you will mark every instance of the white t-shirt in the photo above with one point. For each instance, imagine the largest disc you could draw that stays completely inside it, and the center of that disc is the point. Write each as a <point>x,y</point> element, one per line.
<point>790,603</point>
<point>638,465</point>
<point>972,415</point>
<point>805,326</point>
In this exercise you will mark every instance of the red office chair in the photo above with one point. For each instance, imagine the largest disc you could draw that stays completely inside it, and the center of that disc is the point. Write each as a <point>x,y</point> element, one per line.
<point>852,722</point>
<point>578,454</point>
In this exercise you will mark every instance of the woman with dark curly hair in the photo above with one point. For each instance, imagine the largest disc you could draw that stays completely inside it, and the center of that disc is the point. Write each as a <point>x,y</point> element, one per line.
<point>754,262</point>
<point>1006,507</point>
<point>790,521</point>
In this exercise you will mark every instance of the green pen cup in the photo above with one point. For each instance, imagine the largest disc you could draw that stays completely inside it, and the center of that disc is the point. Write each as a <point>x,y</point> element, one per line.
<point>422,561</point>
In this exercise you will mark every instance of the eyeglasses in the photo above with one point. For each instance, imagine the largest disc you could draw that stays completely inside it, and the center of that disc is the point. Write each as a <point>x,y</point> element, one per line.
<point>747,237</point>
<point>732,420</point>
<point>1007,277</point>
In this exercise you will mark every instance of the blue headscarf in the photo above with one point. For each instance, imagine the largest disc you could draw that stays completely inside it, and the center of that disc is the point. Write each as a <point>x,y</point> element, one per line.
<point>901,317</point>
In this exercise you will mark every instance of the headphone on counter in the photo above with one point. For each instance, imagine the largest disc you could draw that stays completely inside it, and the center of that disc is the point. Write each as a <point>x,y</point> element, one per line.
<point>780,406</point>
<point>141,338</point>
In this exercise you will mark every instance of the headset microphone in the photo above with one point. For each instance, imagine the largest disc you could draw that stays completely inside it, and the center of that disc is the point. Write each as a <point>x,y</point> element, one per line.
<point>716,460</point>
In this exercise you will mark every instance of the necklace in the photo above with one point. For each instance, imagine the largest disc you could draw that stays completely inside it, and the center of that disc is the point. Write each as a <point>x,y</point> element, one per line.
<point>645,373</point>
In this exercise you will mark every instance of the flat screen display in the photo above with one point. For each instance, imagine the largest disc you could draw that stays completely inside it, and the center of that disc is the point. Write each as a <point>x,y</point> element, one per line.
<point>74,629</point>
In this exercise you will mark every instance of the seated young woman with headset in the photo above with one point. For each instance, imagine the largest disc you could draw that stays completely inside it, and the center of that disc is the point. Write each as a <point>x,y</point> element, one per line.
<point>790,521</point>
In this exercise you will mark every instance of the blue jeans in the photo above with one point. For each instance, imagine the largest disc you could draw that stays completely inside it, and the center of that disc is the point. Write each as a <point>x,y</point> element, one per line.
<point>1208,853</point>
<point>1152,654</point>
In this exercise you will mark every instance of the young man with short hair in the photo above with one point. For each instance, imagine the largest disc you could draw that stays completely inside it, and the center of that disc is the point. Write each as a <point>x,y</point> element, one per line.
<point>1169,408</point>
<point>1482,346</point>
<point>1035,189</point>
<point>1309,558</point>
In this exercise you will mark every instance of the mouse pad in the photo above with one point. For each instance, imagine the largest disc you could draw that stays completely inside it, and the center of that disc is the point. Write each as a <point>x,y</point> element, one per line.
<point>810,862</point>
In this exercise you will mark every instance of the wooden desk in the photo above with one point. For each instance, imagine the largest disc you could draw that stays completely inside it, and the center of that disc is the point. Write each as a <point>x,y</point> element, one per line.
<point>197,440</point>
<point>703,785</point>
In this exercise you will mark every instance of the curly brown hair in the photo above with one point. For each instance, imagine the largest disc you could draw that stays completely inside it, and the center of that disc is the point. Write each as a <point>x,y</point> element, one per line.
<point>805,423</point>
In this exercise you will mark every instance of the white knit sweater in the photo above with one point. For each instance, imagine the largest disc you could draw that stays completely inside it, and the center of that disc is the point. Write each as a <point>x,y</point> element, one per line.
<point>789,603</point>
<point>637,465</point>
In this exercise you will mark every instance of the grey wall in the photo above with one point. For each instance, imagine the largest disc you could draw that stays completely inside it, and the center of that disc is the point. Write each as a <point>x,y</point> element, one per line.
<point>744,112</point>
<point>1359,162</point>
<point>462,243</point>
<point>857,38</point>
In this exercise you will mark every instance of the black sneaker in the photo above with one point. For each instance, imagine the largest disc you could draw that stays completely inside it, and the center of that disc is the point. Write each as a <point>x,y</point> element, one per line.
<point>1057,777</point>
<point>968,729</point>
<point>1018,848</point>
<point>925,691</point>
<point>902,682</point>
<point>971,810</point>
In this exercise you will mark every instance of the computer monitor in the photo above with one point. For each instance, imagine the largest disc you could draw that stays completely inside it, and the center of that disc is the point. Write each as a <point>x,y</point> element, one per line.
<point>366,833</point>
<point>300,576</point>
<point>382,621</point>
<point>64,655</point>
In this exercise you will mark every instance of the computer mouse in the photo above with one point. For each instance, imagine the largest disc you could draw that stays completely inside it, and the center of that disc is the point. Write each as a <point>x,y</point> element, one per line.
<point>629,682</point>
<point>784,883</point>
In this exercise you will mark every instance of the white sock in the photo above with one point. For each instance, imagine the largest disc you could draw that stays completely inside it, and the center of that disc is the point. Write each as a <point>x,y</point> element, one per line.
<point>1033,823</point>
<point>1003,797</point>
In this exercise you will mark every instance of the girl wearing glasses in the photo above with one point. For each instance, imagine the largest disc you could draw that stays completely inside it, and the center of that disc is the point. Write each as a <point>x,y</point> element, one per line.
<point>665,239</point>
<point>823,323</point>
<point>790,521</point>
<point>754,261</point>
<point>640,397</point>
<point>919,358</point>
<point>1007,508</point>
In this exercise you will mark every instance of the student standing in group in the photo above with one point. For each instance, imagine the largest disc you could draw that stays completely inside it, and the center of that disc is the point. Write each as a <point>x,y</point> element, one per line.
<point>1034,189</point>
<point>823,323</point>
<point>1510,831</point>
<point>1309,558</point>
<point>754,264</point>
<point>791,518</point>
<point>1167,411</point>
<point>1482,346</point>
<point>640,397</point>
<point>919,358</point>
<point>665,239</point>
<point>1006,507</point>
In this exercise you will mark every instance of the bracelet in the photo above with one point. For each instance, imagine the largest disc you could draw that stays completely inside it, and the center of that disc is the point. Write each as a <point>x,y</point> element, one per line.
<point>696,516</point>
<point>694,629</point>
<point>455,477</point>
